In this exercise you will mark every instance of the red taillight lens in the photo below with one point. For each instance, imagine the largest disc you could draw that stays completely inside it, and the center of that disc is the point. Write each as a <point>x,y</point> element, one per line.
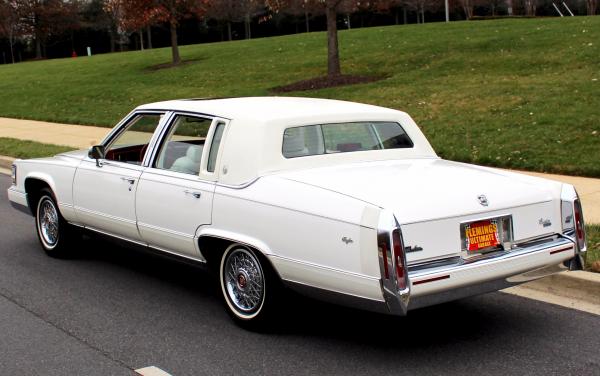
<point>384,255</point>
<point>579,225</point>
<point>398,249</point>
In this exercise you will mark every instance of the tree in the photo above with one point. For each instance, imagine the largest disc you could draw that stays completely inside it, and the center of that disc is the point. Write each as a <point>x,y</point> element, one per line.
<point>302,8</point>
<point>9,24</point>
<point>230,11</point>
<point>467,7</point>
<point>592,5</point>
<point>44,18</point>
<point>332,8</point>
<point>138,14</point>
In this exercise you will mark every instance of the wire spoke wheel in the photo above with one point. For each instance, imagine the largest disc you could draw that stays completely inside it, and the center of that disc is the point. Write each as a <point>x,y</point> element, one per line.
<point>48,222</point>
<point>243,282</point>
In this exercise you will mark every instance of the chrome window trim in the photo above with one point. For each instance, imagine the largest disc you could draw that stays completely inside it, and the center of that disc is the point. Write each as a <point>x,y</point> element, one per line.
<point>122,125</point>
<point>166,129</point>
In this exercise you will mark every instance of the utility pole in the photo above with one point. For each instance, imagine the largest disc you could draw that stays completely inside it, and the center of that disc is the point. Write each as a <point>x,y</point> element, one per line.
<point>447,11</point>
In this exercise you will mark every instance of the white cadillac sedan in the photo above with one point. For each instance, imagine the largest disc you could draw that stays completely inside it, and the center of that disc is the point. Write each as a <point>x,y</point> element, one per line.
<point>342,201</point>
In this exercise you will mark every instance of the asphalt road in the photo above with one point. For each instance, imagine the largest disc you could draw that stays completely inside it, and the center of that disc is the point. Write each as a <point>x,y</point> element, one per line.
<point>112,310</point>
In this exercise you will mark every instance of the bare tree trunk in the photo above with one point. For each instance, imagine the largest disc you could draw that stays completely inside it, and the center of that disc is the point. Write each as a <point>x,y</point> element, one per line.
<point>247,27</point>
<point>111,34</point>
<point>141,34</point>
<point>404,16</point>
<point>149,35</point>
<point>228,30</point>
<point>592,6</point>
<point>306,21</point>
<point>174,45</point>
<point>333,53</point>
<point>396,17</point>
<point>11,41</point>
<point>348,21</point>
<point>38,48</point>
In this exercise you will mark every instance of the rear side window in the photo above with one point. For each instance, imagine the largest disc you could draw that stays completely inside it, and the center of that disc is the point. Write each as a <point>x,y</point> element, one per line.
<point>343,138</point>
<point>214,147</point>
<point>184,145</point>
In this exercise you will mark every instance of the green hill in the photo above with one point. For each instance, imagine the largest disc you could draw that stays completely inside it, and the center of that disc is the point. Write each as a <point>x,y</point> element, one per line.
<point>514,93</point>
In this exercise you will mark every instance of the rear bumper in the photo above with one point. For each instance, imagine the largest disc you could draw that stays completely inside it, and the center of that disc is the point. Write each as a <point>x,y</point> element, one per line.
<point>18,200</point>
<point>439,284</point>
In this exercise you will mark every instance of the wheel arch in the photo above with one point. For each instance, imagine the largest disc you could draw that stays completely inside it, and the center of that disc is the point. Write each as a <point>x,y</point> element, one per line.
<point>212,243</point>
<point>33,185</point>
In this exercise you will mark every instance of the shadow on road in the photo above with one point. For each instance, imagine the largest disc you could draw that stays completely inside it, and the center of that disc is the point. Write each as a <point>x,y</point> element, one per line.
<point>442,325</point>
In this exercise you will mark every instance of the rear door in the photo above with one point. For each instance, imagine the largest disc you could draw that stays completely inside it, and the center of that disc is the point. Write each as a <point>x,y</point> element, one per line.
<point>175,192</point>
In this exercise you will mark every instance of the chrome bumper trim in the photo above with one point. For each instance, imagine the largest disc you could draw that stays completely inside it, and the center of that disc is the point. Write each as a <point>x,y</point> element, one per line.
<point>485,287</point>
<point>520,265</point>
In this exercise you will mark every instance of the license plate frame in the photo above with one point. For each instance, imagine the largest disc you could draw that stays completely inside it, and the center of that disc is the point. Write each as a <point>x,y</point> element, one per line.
<point>502,238</point>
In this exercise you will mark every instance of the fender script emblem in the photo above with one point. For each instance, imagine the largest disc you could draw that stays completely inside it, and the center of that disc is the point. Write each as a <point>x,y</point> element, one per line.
<point>347,240</point>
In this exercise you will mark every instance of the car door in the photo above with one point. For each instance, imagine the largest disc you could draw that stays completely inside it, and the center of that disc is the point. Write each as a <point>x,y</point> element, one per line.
<point>175,193</point>
<point>104,192</point>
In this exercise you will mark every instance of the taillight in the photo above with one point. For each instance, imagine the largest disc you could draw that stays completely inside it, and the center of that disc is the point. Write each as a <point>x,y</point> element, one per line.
<point>384,254</point>
<point>398,250</point>
<point>579,225</point>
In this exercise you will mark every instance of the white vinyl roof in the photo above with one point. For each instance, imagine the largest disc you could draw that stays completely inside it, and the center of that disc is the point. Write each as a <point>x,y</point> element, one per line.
<point>267,109</point>
<point>252,143</point>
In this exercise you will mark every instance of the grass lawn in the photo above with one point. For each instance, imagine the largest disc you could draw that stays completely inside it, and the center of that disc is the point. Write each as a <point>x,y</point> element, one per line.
<point>513,93</point>
<point>28,149</point>
<point>593,243</point>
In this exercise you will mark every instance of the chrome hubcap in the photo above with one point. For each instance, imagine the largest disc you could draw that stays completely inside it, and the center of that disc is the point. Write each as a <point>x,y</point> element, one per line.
<point>48,219</point>
<point>244,280</point>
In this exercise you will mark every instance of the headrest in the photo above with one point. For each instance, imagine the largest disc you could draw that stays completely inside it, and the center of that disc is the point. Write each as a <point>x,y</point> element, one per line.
<point>194,153</point>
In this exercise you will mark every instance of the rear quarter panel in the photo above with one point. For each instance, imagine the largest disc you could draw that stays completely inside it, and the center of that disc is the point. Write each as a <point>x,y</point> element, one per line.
<point>300,229</point>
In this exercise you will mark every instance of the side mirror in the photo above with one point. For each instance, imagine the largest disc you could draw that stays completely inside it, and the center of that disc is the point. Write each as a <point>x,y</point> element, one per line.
<point>97,152</point>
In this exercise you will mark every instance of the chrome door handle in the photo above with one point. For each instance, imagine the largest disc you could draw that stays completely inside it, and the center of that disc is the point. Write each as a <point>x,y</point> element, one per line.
<point>129,180</point>
<point>195,194</point>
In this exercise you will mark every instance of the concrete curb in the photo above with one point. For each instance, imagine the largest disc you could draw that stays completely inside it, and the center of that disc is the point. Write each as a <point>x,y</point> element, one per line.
<point>578,290</point>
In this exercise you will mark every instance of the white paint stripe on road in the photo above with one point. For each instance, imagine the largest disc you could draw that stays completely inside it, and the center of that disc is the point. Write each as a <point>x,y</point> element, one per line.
<point>152,371</point>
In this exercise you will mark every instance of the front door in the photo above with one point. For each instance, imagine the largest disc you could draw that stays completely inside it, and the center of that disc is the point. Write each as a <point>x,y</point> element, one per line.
<point>104,194</point>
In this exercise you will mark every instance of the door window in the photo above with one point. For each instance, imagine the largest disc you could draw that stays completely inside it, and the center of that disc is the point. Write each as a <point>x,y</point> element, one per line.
<point>184,145</point>
<point>131,145</point>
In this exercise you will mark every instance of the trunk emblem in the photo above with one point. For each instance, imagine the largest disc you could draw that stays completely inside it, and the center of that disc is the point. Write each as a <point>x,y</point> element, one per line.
<point>545,222</point>
<point>483,200</point>
<point>415,248</point>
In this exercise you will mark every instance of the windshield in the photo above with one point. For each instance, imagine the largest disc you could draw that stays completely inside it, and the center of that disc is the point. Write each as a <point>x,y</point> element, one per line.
<point>343,137</point>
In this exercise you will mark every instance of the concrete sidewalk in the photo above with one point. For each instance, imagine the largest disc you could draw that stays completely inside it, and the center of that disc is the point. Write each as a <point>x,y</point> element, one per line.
<point>75,136</point>
<point>82,137</point>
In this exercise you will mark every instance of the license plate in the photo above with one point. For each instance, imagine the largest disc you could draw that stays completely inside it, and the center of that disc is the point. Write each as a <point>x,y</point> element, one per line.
<point>482,235</point>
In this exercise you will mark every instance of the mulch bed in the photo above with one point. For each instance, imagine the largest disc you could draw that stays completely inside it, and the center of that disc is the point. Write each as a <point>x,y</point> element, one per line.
<point>156,67</point>
<point>325,82</point>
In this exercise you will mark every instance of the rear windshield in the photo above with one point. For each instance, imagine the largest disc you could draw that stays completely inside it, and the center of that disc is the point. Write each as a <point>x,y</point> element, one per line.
<point>343,138</point>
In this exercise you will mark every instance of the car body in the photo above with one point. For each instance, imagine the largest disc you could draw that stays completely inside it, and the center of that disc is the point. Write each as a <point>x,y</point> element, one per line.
<point>342,201</point>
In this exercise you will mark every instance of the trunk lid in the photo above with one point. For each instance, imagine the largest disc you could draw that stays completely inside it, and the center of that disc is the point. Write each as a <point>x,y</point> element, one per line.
<point>432,197</point>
